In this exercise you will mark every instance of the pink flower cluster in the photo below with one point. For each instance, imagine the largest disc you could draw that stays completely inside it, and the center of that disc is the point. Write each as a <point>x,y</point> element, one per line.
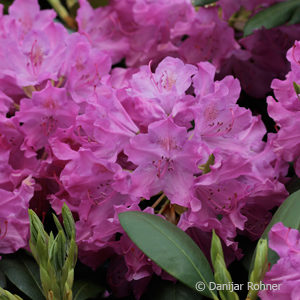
<point>284,275</point>
<point>102,140</point>
<point>285,110</point>
<point>145,30</point>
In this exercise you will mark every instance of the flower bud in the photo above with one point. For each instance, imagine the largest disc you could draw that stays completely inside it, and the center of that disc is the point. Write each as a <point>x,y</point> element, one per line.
<point>69,223</point>
<point>260,266</point>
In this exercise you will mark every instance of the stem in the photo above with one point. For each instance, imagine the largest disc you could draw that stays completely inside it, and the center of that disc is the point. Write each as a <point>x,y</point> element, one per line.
<point>158,200</point>
<point>164,206</point>
<point>63,13</point>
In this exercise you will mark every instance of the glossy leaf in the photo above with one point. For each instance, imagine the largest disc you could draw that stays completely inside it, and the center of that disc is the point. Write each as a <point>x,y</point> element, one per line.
<point>24,274</point>
<point>83,290</point>
<point>170,247</point>
<point>273,16</point>
<point>166,290</point>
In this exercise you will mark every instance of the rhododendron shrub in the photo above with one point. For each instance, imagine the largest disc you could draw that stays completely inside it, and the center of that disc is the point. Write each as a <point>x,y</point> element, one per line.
<point>138,111</point>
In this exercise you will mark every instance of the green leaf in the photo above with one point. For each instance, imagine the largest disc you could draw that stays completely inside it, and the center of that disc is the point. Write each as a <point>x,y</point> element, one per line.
<point>71,259</point>
<point>57,223</point>
<point>202,2</point>
<point>24,274</point>
<point>58,251</point>
<point>273,16</point>
<point>36,227</point>
<point>83,290</point>
<point>222,276</point>
<point>216,249</point>
<point>6,295</point>
<point>295,17</point>
<point>260,267</point>
<point>69,223</point>
<point>2,280</point>
<point>288,214</point>
<point>170,247</point>
<point>166,290</point>
<point>46,281</point>
<point>42,251</point>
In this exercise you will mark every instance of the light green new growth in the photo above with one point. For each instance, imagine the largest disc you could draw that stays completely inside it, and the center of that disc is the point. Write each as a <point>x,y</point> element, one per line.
<point>221,274</point>
<point>56,256</point>
<point>260,267</point>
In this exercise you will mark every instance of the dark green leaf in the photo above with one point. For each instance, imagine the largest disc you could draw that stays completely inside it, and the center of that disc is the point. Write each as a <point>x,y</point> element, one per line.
<point>170,247</point>
<point>288,214</point>
<point>83,290</point>
<point>202,2</point>
<point>2,280</point>
<point>295,17</point>
<point>24,274</point>
<point>166,290</point>
<point>273,16</point>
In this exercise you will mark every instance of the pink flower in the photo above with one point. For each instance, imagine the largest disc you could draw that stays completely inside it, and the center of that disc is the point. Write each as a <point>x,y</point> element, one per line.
<point>88,179</point>
<point>25,16</point>
<point>14,219</point>
<point>5,103</point>
<point>37,58</point>
<point>210,38</point>
<point>14,165</point>
<point>166,160</point>
<point>154,96</point>
<point>167,85</point>
<point>106,125</point>
<point>43,114</point>
<point>285,273</point>
<point>84,69</point>
<point>101,26</point>
<point>286,112</point>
